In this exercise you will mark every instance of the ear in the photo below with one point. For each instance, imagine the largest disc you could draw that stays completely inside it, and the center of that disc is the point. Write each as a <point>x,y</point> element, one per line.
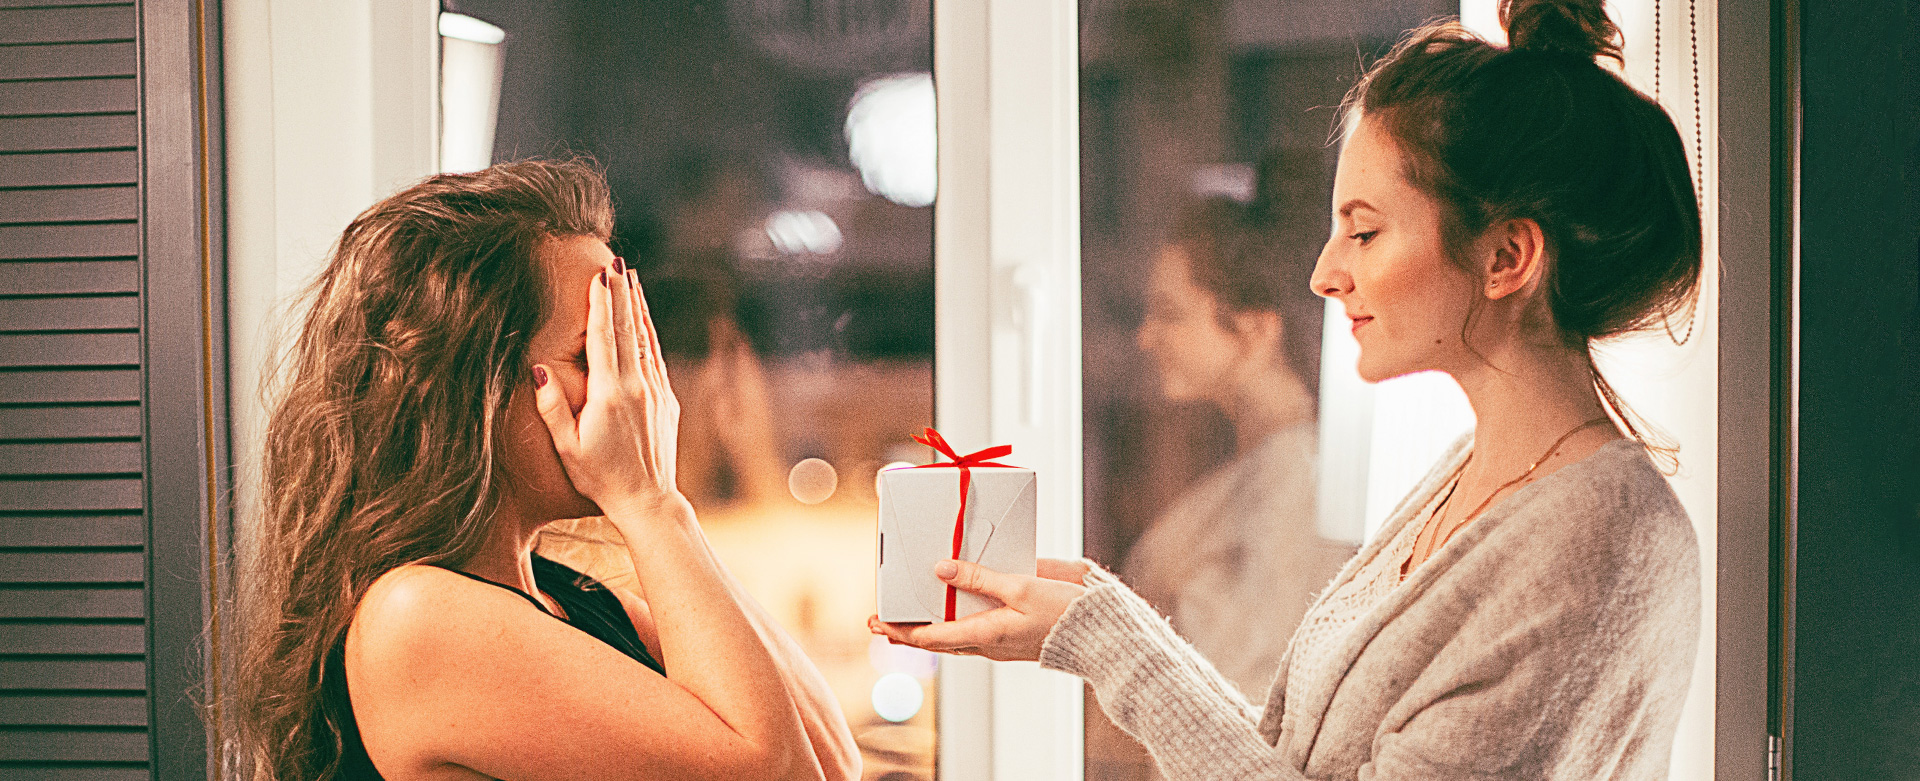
<point>1514,257</point>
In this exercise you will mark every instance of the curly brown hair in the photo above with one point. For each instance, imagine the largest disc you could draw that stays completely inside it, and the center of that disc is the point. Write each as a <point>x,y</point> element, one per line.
<point>383,448</point>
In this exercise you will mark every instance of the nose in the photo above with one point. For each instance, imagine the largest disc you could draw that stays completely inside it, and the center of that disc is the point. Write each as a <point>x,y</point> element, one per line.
<point>1147,336</point>
<point>1330,279</point>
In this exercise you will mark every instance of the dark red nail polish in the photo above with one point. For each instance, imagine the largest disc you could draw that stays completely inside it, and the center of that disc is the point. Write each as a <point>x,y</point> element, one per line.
<point>539,376</point>
<point>619,264</point>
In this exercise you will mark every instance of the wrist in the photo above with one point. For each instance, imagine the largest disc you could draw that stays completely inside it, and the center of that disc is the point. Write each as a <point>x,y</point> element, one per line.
<point>671,508</point>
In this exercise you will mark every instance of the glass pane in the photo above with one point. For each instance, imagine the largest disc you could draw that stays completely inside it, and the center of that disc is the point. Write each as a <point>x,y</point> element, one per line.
<point>1212,419</point>
<point>772,166</point>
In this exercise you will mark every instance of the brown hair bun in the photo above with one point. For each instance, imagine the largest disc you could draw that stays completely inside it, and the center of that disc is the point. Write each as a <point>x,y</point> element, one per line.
<point>1577,27</point>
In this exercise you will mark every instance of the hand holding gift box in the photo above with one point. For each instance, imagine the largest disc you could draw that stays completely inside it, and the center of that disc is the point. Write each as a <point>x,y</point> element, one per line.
<point>969,508</point>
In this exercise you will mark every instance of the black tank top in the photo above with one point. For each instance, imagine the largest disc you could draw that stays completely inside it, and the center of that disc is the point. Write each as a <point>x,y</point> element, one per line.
<point>589,607</point>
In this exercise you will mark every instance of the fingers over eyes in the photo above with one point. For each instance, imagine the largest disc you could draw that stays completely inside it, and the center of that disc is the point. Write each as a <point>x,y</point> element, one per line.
<point>634,316</point>
<point>656,357</point>
<point>602,361</point>
<point>620,292</point>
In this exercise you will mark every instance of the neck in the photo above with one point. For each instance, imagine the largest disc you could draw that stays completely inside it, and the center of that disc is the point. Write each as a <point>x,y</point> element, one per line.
<point>1524,398</point>
<point>507,555</point>
<point>1263,402</point>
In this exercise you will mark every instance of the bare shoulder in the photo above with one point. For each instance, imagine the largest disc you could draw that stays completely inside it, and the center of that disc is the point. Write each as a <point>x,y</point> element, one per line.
<point>418,643</point>
<point>454,678</point>
<point>410,609</point>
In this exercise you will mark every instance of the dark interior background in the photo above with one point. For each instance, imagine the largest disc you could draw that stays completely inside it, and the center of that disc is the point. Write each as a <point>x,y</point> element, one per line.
<point>693,123</point>
<point>1856,672</point>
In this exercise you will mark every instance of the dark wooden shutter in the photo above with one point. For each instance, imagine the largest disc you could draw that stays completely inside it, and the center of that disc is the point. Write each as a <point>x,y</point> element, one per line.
<point>103,368</point>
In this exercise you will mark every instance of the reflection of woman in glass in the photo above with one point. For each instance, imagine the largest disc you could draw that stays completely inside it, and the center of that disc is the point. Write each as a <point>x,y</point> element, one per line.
<point>1532,609</point>
<point>1228,323</point>
<point>474,366</point>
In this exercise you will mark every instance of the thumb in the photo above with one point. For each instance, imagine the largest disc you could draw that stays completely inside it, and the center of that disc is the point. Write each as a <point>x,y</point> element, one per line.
<point>968,576</point>
<point>552,403</point>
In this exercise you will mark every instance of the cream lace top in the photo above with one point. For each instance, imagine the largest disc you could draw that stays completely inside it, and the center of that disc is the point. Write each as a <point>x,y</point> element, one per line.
<point>1331,616</point>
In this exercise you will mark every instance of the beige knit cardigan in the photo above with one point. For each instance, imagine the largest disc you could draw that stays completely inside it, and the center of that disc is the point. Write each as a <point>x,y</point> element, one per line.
<point>1552,638</point>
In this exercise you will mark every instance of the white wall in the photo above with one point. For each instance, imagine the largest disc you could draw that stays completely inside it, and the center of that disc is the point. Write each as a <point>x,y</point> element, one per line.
<point>312,138</point>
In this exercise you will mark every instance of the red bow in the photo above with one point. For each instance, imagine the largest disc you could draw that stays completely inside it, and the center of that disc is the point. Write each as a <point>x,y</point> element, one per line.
<point>933,440</point>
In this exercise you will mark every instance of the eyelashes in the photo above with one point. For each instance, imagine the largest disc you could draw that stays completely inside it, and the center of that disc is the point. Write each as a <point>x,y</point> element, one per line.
<point>1364,237</point>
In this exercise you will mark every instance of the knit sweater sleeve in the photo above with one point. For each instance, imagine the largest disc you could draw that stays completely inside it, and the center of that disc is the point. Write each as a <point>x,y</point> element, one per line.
<point>1158,688</point>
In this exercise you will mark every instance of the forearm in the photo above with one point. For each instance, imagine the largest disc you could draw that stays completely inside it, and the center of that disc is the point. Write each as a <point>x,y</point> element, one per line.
<point>708,642</point>
<point>1158,689</point>
<point>820,713</point>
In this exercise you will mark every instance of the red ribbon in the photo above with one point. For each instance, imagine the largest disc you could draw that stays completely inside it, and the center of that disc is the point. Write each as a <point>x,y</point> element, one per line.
<point>985,457</point>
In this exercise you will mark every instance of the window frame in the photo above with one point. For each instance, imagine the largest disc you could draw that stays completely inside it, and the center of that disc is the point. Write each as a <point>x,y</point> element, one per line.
<point>1007,335</point>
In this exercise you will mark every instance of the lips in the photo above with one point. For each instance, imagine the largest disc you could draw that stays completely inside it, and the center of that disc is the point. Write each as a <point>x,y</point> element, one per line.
<point>1360,321</point>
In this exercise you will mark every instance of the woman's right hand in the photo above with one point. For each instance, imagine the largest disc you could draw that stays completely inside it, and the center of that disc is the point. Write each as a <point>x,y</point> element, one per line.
<point>620,451</point>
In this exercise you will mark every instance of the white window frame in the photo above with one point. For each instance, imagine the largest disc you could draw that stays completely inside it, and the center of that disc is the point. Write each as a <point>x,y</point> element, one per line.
<point>1007,335</point>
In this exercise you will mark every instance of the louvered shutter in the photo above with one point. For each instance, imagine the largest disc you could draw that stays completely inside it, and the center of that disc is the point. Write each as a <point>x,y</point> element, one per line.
<point>80,614</point>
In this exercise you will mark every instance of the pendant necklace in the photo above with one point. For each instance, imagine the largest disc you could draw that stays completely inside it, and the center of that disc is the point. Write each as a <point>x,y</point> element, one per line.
<point>1438,519</point>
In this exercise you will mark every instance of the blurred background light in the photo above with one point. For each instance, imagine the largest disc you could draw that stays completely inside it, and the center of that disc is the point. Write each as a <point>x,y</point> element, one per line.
<point>897,697</point>
<point>1225,180</point>
<point>804,232</point>
<point>467,28</point>
<point>812,481</point>
<point>891,137</point>
<point>471,70</point>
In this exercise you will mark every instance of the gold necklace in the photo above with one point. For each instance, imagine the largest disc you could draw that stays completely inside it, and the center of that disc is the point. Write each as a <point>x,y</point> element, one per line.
<point>1438,519</point>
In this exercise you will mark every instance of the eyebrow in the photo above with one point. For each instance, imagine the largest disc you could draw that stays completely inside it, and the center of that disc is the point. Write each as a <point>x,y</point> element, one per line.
<point>1347,209</point>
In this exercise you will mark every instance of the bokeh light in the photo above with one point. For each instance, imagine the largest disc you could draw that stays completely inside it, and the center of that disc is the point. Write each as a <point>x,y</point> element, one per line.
<point>804,232</point>
<point>897,696</point>
<point>891,138</point>
<point>812,481</point>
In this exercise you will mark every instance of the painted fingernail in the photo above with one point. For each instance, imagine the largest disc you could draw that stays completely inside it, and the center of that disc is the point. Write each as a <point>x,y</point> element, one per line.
<point>633,278</point>
<point>945,570</point>
<point>619,264</point>
<point>539,376</point>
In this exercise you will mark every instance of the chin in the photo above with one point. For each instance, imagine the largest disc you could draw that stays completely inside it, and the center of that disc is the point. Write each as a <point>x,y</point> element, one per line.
<point>1374,372</point>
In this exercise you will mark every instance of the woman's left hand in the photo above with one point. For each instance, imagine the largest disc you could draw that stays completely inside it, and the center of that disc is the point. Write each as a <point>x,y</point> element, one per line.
<point>1012,632</point>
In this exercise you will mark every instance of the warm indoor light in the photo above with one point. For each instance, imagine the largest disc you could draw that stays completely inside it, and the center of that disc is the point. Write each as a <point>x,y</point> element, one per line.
<point>804,232</point>
<point>897,697</point>
<point>891,138</point>
<point>812,481</point>
<point>467,28</point>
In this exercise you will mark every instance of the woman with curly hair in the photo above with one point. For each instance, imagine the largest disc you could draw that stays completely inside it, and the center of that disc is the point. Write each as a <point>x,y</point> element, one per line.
<point>474,366</point>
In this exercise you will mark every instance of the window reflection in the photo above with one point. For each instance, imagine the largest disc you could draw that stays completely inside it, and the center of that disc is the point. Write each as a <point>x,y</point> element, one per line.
<point>771,165</point>
<point>1205,169</point>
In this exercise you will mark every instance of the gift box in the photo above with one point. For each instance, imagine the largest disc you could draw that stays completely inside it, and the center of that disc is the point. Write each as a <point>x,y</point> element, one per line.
<point>923,519</point>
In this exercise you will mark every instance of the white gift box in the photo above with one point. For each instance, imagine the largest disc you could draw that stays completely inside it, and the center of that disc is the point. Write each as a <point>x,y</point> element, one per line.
<point>917,513</point>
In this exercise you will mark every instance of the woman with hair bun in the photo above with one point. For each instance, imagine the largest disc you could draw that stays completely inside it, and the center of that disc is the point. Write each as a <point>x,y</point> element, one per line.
<point>1532,609</point>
